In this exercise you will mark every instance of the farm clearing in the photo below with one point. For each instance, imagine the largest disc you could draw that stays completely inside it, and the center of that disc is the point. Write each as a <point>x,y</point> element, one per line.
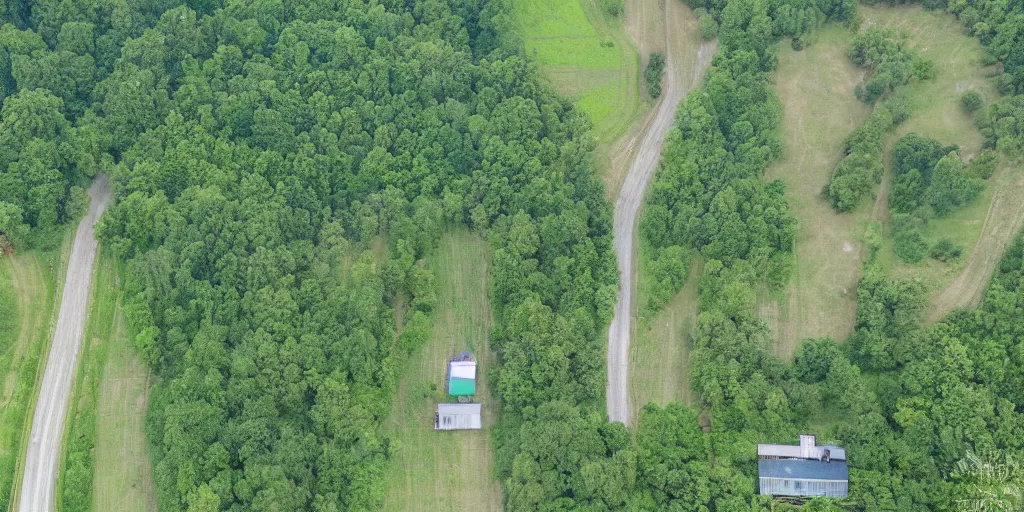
<point>816,86</point>
<point>431,470</point>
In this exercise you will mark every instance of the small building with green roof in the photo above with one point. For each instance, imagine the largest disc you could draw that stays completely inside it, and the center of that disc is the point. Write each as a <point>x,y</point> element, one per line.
<point>462,378</point>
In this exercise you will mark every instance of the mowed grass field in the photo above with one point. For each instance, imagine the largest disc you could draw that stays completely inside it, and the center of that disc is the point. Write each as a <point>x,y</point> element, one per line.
<point>106,464</point>
<point>30,285</point>
<point>446,471</point>
<point>660,351</point>
<point>819,110</point>
<point>816,86</point>
<point>587,56</point>
<point>983,227</point>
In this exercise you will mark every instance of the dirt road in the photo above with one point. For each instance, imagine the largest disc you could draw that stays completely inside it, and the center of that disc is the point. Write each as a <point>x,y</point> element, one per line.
<point>1003,222</point>
<point>648,141</point>
<point>44,449</point>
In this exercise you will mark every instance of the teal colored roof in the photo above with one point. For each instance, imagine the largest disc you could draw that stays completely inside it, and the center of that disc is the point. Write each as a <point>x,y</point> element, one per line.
<point>458,387</point>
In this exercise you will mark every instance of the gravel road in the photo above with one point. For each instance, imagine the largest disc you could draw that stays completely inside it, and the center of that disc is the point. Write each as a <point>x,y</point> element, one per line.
<point>44,449</point>
<point>627,209</point>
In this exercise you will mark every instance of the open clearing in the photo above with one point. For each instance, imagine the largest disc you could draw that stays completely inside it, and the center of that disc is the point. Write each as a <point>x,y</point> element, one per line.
<point>659,358</point>
<point>819,110</point>
<point>30,279</point>
<point>438,471</point>
<point>816,86</point>
<point>105,450</point>
<point>586,56</point>
<point>985,226</point>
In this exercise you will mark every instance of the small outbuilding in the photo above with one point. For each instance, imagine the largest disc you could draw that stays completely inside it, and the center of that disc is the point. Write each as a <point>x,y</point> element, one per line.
<point>457,417</point>
<point>462,378</point>
<point>805,470</point>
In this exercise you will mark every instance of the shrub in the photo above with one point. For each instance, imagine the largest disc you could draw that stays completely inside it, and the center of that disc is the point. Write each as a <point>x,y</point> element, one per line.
<point>971,101</point>
<point>946,250</point>
<point>708,27</point>
<point>814,358</point>
<point>899,106</point>
<point>613,8</point>
<point>653,73</point>
<point>852,180</point>
<point>951,188</point>
<point>908,244</point>
<point>984,165</point>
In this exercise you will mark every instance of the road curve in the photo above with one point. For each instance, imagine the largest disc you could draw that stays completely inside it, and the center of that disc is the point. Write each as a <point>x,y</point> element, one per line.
<point>44,450</point>
<point>627,209</point>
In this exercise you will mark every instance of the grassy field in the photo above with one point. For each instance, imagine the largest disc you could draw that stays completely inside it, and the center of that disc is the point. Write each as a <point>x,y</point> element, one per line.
<point>659,355</point>
<point>437,471</point>
<point>105,464</point>
<point>816,87</point>
<point>32,282</point>
<point>983,227</point>
<point>587,56</point>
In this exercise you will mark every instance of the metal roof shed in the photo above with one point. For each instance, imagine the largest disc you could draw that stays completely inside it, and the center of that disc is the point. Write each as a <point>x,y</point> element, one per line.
<point>457,417</point>
<point>802,477</point>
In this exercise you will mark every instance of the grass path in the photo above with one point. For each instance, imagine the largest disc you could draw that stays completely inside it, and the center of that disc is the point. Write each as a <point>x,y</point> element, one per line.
<point>32,281</point>
<point>819,110</point>
<point>446,471</point>
<point>23,337</point>
<point>659,359</point>
<point>105,464</point>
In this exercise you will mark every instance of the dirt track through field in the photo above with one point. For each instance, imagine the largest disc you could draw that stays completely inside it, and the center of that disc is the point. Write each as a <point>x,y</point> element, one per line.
<point>1002,223</point>
<point>644,147</point>
<point>44,449</point>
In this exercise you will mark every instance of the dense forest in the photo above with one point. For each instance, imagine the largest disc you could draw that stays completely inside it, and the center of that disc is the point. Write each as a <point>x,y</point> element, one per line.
<point>258,149</point>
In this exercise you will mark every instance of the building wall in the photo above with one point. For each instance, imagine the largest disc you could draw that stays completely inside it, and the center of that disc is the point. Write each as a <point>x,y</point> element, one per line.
<point>803,487</point>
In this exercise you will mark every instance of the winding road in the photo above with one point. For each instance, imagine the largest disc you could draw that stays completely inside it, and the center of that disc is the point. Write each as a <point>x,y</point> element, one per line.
<point>678,82</point>
<point>44,449</point>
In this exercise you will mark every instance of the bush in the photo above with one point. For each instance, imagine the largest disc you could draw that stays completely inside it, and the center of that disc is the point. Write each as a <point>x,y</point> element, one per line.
<point>814,358</point>
<point>971,101</point>
<point>666,271</point>
<point>908,244</point>
<point>708,27</point>
<point>899,106</point>
<point>951,188</point>
<point>984,165</point>
<point>946,250</point>
<point>613,8</point>
<point>653,73</point>
<point>852,179</point>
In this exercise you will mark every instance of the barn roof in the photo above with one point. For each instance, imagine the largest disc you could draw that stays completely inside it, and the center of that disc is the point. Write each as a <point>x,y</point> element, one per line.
<point>803,469</point>
<point>458,417</point>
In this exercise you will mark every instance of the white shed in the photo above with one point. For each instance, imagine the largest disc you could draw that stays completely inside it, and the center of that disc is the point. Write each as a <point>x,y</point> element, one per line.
<point>457,417</point>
